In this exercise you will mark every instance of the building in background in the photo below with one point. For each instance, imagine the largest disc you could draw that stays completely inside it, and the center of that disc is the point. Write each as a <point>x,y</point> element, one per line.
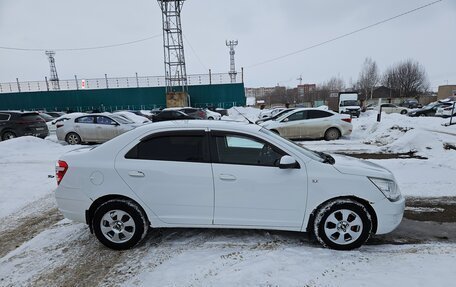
<point>305,89</point>
<point>446,91</point>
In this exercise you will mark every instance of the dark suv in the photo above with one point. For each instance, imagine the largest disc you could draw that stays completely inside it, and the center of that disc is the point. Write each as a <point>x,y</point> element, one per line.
<point>17,124</point>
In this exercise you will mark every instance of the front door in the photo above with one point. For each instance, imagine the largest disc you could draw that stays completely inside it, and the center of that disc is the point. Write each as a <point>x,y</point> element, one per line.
<point>172,175</point>
<point>250,188</point>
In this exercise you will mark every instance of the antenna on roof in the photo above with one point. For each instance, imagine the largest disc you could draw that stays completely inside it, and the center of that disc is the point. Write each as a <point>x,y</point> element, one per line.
<point>250,122</point>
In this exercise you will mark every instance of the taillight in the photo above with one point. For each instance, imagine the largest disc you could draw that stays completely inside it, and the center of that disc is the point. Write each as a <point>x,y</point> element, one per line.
<point>348,120</point>
<point>60,169</point>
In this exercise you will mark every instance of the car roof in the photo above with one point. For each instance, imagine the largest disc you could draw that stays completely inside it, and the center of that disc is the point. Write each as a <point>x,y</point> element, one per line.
<point>200,124</point>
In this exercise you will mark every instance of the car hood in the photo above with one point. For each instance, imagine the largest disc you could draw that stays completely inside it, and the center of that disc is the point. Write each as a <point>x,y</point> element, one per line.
<point>354,166</point>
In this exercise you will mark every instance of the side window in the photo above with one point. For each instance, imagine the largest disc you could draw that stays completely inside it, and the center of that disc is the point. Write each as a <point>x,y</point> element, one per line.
<point>238,149</point>
<point>302,115</point>
<point>4,117</point>
<point>186,148</point>
<point>316,114</point>
<point>104,121</point>
<point>85,120</point>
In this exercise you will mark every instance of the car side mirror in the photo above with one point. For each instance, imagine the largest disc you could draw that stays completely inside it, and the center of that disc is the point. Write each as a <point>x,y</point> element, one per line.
<point>285,120</point>
<point>288,162</point>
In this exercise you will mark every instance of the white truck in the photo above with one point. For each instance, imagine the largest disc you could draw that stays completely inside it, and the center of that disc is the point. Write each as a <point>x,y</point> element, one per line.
<point>349,104</point>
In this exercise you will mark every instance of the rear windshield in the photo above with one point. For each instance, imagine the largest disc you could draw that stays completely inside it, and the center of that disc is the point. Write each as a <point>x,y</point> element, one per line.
<point>30,117</point>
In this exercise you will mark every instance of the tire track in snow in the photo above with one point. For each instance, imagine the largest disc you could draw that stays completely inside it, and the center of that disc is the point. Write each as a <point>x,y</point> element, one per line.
<point>22,226</point>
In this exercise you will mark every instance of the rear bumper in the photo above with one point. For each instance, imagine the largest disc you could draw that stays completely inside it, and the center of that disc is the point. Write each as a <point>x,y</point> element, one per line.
<point>389,214</point>
<point>72,203</point>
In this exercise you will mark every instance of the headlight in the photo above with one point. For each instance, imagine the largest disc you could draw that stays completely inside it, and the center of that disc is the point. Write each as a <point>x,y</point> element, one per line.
<point>388,187</point>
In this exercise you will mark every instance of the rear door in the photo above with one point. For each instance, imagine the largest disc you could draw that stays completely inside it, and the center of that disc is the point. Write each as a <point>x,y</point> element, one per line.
<point>172,174</point>
<point>105,128</point>
<point>316,124</point>
<point>85,128</point>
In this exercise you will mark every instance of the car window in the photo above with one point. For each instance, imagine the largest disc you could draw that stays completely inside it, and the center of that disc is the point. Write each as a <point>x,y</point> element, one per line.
<point>388,106</point>
<point>245,150</point>
<point>302,115</point>
<point>184,148</point>
<point>4,117</point>
<point>85,120</point>
<point>104,120</point>
<point>316,114</point>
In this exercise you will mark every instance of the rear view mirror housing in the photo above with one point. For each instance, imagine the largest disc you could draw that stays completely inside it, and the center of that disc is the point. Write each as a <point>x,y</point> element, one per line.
<point>288,162</point>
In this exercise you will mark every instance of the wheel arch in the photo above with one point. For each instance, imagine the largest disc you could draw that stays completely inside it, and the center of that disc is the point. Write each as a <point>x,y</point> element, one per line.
<point>99,201</point>
<point>365,203</point>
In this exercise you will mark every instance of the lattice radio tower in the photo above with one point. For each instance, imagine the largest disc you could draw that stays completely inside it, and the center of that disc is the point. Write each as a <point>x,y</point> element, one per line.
<point>54,79</point>
<point>173,46</point>
<point>232,72</point>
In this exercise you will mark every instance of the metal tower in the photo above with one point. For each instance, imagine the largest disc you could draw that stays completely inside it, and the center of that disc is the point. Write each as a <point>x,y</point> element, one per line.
<point>54,79</point>
<point>232,72</point>
<point>173,46</point>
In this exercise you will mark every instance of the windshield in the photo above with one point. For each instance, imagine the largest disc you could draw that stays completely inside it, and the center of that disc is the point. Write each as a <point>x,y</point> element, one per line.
<point>349,103</point>
<point>309,153</point>
<point>121,120</point>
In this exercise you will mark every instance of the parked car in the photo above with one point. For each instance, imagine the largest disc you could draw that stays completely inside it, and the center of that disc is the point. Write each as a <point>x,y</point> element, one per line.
<point>46,117</point>
<point>392,108</point>
<point>16,124</point>
<point>428,110</point>
<point>133,117</point>
<point>262,120</point>
<point>135,112</point>
<point>96,128</point>
<point>211,115</point>
<point>411,104</point>
<point>166,175</point>
<point>52,126</point>
<point>193,112</point>
<point>270,112</point>
<point>55,115</point>
<point>311,123</point>
<point>447,110</point>
<point>171,115</point>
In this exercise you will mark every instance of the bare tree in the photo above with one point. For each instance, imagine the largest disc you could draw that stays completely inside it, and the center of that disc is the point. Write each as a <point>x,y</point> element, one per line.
<point>408,79</point>
<point>368,77</point>
<point>335,84</point>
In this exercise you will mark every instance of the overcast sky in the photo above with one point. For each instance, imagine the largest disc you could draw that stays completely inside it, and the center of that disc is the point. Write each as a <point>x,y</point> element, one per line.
<point>265,29</point>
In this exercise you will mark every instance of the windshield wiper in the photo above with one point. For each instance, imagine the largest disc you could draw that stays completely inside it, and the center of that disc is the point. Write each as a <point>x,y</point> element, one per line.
<point>326,158</point>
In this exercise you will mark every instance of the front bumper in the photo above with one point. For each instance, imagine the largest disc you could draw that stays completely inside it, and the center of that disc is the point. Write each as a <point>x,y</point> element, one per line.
<point>389,214</point>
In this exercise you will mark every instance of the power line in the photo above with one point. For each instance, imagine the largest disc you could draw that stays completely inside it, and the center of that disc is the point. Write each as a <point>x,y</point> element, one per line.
<point>344,35</point>
<point>81,48</point>
<point>194,52</point>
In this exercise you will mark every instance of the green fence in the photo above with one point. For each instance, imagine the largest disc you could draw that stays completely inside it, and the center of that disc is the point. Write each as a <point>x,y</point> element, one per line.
<point>220,95</point>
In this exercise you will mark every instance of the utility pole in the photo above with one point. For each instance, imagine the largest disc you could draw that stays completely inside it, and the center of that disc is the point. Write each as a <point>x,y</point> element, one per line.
<point>54,79</point>
<point>232,72</point>
<point>173,48</point>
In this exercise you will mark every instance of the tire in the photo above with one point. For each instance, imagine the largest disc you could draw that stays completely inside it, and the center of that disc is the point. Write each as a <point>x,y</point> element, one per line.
<point>342,224</point>
<point>73,139</point>
<point>332,134</point>
<point>403,112</point>
<point>120,224</point>
<point>210,118</point>
<point>8,135</point>
<point>423,115</point>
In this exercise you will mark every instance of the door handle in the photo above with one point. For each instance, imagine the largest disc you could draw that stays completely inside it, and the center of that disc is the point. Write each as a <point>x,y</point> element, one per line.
<point>136,174</point>
<point>227,177</point>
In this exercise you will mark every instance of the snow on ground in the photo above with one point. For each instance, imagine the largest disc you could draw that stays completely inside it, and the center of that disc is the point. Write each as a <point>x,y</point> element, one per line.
<point>66,254</point>
<point>25,164</point>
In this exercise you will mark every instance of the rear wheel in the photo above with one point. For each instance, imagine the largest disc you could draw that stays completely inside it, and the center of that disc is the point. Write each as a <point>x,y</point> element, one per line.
<point>210,118</point>
<point>8,135</point>
<point>342,224</point>
<point>403,112</point>
<point>73,138</point>
<point>120,224</point>
<point>332,134</point>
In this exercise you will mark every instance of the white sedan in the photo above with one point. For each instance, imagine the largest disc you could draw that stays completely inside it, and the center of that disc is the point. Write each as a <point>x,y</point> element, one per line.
<point>391,108</point>
<point>311,123</point>
<point>217,174</point>
<point>97,128</point>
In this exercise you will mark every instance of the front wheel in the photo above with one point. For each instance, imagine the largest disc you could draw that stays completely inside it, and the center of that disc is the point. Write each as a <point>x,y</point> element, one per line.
<point>342,225</point>
<point>210,118</point>
<point>120,224</point>
<point>403,112</point>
